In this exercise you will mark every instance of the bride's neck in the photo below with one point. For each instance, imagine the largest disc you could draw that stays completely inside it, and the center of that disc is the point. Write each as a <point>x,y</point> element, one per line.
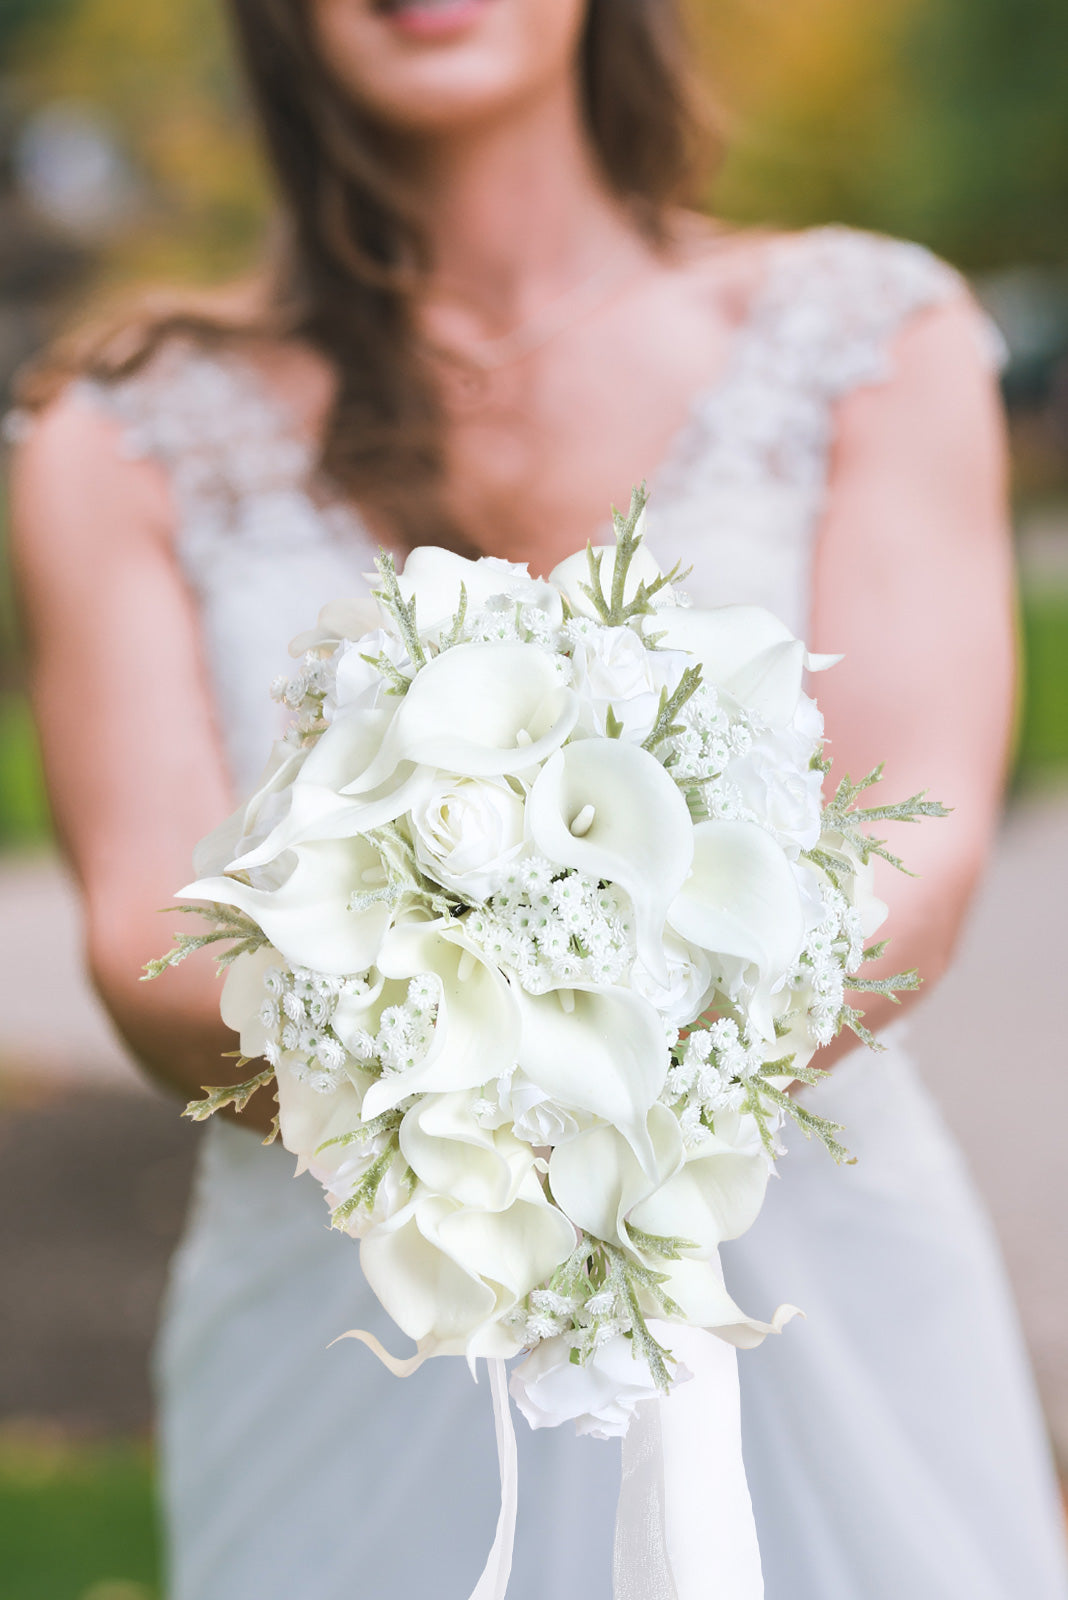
<point>517,212</point>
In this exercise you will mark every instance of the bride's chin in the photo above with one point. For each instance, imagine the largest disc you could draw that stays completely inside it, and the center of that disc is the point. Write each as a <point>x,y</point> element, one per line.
<point>434,66</point>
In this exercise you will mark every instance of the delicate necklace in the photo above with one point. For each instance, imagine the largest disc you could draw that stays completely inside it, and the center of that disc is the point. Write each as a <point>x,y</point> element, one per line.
<point>561,313</point>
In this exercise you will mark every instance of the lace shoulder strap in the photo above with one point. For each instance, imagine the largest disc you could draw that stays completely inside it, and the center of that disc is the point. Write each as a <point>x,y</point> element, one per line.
<point>834,301</point>
<point>210,422</point>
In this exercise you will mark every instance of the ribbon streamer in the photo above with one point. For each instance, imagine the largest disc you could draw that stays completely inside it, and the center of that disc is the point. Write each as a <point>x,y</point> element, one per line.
<point>493,1583</point>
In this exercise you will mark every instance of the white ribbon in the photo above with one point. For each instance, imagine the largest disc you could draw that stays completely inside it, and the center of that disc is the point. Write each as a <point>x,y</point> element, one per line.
<point>684,1527</point>
<point>493,1583</point>
<point>684,1522</point>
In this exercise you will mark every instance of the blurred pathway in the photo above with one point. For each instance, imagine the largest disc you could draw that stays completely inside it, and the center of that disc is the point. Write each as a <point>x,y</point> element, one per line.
<point>996,1019</point>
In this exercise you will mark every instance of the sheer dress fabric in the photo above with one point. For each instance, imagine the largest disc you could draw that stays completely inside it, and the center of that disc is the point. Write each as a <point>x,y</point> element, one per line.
<point>892,1440</point>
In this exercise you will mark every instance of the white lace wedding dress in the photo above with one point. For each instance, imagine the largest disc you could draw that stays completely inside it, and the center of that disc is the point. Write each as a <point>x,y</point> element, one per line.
<point>892,1439</point>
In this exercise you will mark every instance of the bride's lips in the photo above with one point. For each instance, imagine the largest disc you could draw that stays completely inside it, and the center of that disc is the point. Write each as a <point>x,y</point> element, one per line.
<point>431,19</point>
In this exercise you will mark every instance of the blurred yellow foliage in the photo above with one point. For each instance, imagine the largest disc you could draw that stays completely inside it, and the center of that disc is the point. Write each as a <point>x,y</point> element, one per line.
<point>161,71</point>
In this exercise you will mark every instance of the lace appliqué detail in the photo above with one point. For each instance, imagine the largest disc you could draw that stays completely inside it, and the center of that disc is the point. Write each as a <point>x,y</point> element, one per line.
<point>239,471</point>
<point>822,325</point>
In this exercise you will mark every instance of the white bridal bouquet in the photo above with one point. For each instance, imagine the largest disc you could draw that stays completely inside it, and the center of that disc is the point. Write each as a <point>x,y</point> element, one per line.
<point>536,914</point>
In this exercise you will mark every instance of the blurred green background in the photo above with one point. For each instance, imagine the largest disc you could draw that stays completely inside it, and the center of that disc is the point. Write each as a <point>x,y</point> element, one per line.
<point>126,158</point>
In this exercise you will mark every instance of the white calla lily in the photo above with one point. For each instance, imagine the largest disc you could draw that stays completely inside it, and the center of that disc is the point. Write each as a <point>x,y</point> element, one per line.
<point>477,1033</point>
<point>447,1273</point>
<point>255,817</point>
<point>742,899</point>
<point>307,917</point>
<point>431,1297</point>
<point>452,1153</point>
<point>432,577</point>
<point>308,1119</point>
<point>339,620</point>
<point>478,710</point>
<point>597,1180</point>
<point>610,810</point>
<point>515,1249</point>
<point>318,809</point>
<point>601,1051</point>
<point>573,572</point>
<point>715,1196</point>
<point>746,651</point>
<point>242,999</point>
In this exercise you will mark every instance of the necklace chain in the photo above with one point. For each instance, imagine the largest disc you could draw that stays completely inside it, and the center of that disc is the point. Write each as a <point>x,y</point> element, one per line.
<point>545,324</point>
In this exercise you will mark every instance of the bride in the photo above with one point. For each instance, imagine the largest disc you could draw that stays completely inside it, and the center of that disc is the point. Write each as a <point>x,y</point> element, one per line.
<point>490,312</point>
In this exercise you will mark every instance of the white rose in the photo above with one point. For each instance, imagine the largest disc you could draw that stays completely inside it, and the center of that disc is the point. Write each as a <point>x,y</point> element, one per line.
<point>776,780</point>
<point>535,1116</point>
<point>432,578</point>
<point>358,683</point>
<point>689,978</point>
<point>614,670</point>
<point>599,1396</point>
<point>467,832</point>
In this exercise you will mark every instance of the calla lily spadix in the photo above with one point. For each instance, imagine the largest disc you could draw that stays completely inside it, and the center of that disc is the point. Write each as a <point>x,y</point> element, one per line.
<point>611,811</point>
<point>480,710</point>
<point>307,917</point>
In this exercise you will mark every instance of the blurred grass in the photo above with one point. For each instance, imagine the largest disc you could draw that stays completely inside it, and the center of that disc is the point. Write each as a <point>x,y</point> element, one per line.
<point>1043,736</point>
<point>77,1521</point>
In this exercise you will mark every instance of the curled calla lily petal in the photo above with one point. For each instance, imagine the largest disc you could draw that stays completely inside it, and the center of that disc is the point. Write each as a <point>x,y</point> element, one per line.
<point>477,1031</point>
<point>697,1289</point>
<point>307,1119</point>
<point>339,620</point>
<point>515,1249</point>
<point>715,1196</point>
<point>250,821</point>
<point>746,651</point>
<point>742,899</point>
<point>318,809</point>
<point>447,1273</point>
<point>451,1153</point>
<point>610,810</point>
<point>307,917</point>
<point>570,574</point>
<point>432,577</point>
<point>600,1051</point>
<point>430,1296</point>
<point>478,710</point>
<point>597,1180</point>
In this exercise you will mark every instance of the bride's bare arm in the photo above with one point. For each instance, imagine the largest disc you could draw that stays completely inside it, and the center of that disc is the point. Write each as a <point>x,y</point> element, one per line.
<point>131,756</point>
<point>913,583</point>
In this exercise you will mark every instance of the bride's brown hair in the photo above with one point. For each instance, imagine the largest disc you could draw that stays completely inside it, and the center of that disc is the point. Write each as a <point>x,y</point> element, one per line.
<point>353,251</point>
